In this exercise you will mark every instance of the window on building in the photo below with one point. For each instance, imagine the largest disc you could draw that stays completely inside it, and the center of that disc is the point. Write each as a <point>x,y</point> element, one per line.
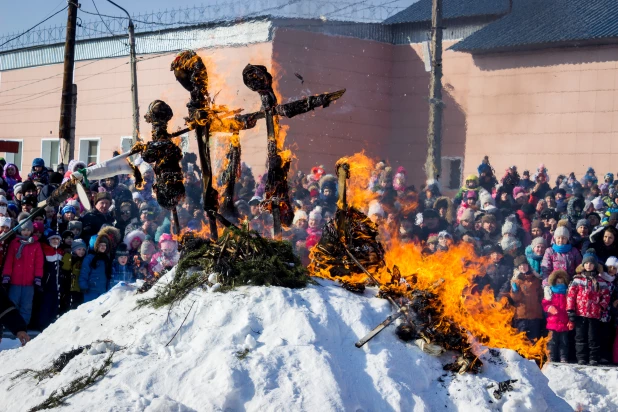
<point>452,171</point>
<point>50,152</point>
<point>89,150</point>
<point>125,143</point>
<point>15,158</point>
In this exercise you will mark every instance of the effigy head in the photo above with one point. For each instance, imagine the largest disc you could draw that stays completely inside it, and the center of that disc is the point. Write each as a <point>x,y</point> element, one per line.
<point>188,67</point>
<point>159,113</point>
<point>257,78</point>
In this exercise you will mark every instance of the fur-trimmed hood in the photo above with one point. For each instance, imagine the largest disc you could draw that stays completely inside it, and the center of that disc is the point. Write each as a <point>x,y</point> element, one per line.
<point>128,239</point>
<point>450,208</point>
<point>112,234</point>
<point>558,274</point>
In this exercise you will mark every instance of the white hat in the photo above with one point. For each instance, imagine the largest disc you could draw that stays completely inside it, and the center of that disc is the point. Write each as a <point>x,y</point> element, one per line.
<point>509,228</point>
<point>316,214</point>
<point>17,188</point>
<point>3,200</point>
<point>298,215</point>
<point>375,208</point>
<point>612,261</point>
<point>6,221</point>
<point>597,202</point>
<point>137,196</point>
<point>485,197</point>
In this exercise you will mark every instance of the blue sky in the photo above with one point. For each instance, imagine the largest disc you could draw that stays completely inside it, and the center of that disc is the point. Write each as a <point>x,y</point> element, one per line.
<point>19,16</point>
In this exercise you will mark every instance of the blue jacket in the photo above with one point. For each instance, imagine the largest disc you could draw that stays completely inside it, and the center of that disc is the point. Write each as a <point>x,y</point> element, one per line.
<point>121,274</point>
<point>92,281</point>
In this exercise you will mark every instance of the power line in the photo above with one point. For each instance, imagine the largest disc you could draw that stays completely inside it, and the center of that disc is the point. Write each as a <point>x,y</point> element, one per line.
<point>33,27</point>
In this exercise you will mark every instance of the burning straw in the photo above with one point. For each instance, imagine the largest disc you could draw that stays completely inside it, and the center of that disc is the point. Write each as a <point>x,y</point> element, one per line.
<point>239,257</point>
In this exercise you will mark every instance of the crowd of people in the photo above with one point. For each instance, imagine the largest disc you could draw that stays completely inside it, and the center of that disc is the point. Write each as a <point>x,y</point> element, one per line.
<point>551,252</point>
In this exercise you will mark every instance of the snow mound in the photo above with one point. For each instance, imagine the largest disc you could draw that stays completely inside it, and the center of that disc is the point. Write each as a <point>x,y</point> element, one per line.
<point>260,349</point>
<point>585,388</point>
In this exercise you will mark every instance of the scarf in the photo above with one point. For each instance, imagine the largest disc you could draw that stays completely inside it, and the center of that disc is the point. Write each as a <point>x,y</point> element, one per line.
<point>23,241</point>
<point>533,259</point>
<point>607,277</point>
<point>562,248</point>
<point>592,278</point>
<point>108,263</point>
<point>559,288</point>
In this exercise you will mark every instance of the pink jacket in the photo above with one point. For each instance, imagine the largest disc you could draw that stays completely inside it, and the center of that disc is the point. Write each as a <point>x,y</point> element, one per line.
<point>553,260</point>
<point>29,266</point>
<point>559,321</point>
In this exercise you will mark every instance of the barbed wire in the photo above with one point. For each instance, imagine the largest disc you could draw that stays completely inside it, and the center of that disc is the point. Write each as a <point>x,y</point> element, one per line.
<point>196,15</point>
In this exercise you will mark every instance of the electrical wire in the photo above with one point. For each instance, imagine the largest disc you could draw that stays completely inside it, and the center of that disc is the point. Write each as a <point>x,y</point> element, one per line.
<point>33,27</point>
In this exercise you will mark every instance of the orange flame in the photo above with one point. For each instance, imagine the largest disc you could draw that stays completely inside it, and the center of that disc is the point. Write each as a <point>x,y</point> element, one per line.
<point>361,169</point>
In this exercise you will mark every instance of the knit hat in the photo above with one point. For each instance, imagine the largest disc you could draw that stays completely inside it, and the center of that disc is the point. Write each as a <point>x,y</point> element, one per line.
<point>562,231</point>
<point>67,233</point>
<point>29,200</point>
<point>52,235</point>
<point>518,192</point>
<point>486,198</point>
<point>612,261</point>
<point>5,221</point>
<point>582,222</point>
<point>432,239</point>
<point>298,215</point>
<point>102,196</point>
<point>27,225</point>
<point>68,209</point>
<point>38,227</point>
<point>78,244</point>
<point>122,250</point>
<point>166,237</point>
<point>536,224</point>
<point>38,162</point>
<point>471,194</point>
<point>18,188</point>
<point>148,248</point>
<point>74,224</point>
<point>28,186</point>
<point>137,196</point>
<point>520,260</point>
<point>467,216</point>
<point>509,228</point>
<point>509,243</point>
<point>316,213</point>
<point>538,241</point>
<point>488,219</point>
<point>590,257</point>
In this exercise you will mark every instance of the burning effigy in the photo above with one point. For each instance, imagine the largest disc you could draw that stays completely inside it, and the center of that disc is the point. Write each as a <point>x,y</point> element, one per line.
<point>431,294</point>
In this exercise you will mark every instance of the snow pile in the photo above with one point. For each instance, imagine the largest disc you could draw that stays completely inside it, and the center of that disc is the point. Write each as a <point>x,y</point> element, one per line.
<point>259,348</point>
<point>585,388</point>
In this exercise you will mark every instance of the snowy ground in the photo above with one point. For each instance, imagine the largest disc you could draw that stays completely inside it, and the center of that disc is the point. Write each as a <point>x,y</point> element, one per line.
<point>301,357</point>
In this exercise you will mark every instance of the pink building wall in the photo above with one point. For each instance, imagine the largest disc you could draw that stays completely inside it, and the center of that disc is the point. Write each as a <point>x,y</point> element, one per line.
<point>559,107</point>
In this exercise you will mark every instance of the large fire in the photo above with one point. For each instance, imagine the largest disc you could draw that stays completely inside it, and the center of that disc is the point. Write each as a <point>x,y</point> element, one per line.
<point>449,275</point>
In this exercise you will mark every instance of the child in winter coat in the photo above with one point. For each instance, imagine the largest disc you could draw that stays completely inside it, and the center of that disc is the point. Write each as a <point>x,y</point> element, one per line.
<point>314,231</point>
<point>122,271</point>
<point>39,172</point>
<point>587,298</point>
<point>141,263</point>
<point>469,202</point>
<point>134,241</point>
<point>71,266</point>
<point>51,281</point>
<point>168,256</point>
<point>607,326</point>
<point>11,177</point>
<point>535,252</point>
<point>561,255</point>
<point>23,270</point>
<point>526,294</point>
<point>555,307</point>
<point>96,270</point>
<point>5,226</point>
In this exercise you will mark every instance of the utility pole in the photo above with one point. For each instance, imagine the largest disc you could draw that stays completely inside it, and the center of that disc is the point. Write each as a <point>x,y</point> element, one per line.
<point>433,164</point>
<point>135,102</point>
<point>66,133</point>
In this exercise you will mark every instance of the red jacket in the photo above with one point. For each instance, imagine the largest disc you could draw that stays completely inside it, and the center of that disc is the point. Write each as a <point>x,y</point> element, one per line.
<point>559,321</point>
<point>588,297</point>
<point>29,266</point>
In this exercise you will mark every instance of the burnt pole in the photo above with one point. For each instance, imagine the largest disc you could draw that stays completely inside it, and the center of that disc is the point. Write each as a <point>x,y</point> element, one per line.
<point>133,60</point>
<point>66,132</point>
<point>434,131</point>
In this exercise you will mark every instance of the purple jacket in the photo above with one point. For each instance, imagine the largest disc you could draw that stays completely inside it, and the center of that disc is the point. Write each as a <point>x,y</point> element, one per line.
<point>553,260</point>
